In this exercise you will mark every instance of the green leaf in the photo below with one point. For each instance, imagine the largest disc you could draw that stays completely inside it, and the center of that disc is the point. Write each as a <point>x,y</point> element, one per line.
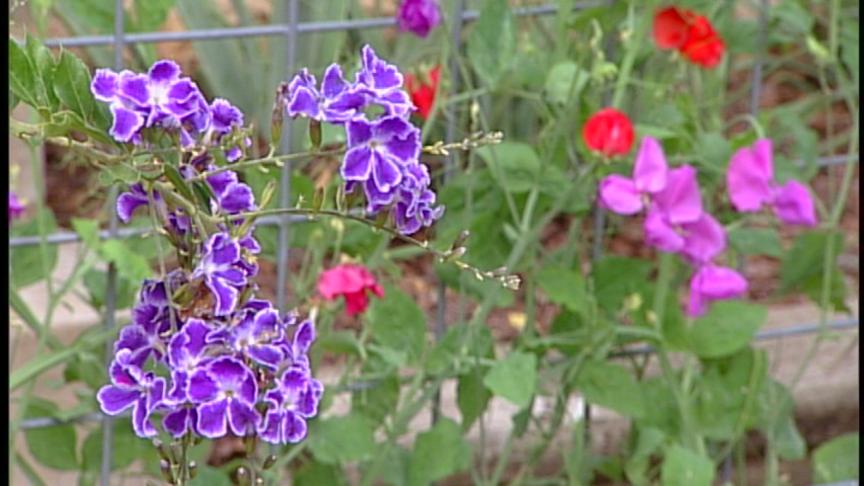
<point>492,42</point>
<point>609,286</point>
<point>611,386</point>
<point>28,265</point>
<point>341,439</point>
<point>72,85</point>
<point>96,282</point>
<point>114,173</point>
<point>514,378</point>
<point>727,327</point>
<point>396,322</point>
<point>126,446</point>
<point>806,257</point>
<point>649,441</point>
<point>130,265</point>
<point>210,476</point>
<point>756,241</point>
<point>376,403</point>
<point>564,81</point>
<point>438,453</point>
<point>472,397</point>
<point>715,150</point>
<point>565,287</point>
<point>837,459</point>
<point>514,164</point>
<point>88,230</point>
<point>682,467</point>
<point>22,74</point>
<point>313,473</point>
<point>43,61</point>
<point>803,267</point>
<point>775,417</point>
<point>52,447</point>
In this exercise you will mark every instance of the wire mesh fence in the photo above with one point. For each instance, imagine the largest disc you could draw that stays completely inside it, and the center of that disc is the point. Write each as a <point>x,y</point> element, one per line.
<point>290,30</point>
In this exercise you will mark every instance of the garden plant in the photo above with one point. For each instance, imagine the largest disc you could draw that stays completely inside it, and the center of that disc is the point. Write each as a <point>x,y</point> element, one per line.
<point>493,164</point>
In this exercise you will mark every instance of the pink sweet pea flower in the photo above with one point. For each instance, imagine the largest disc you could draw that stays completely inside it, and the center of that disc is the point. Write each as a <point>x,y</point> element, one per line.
<point>351,281</point>
<point>671,196</point>
<point>710,283</point>
<point>750,179</point>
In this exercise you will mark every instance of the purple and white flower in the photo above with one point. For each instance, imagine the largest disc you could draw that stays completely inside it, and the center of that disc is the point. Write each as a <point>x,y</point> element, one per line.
<point>336,102</point>
<point>294,399</point>
<point>225,392</point>
<point>222,273</point>
<point>132,388</point>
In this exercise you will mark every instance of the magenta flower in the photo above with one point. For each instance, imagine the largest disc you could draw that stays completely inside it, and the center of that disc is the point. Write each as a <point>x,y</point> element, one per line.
<point>751,184</point>
<point>419,16</point>
<point>16,209</point>
<point>671,196</point>
<point>710,283</point>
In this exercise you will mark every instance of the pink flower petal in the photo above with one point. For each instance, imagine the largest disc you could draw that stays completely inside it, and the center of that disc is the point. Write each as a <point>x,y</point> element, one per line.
<point>650,168</point>
<point>749,176</point>
<point>660,234</point>
<point>705,239</point>
<point>618,194</point>
<point>680,200</point>
<point>794,205</point>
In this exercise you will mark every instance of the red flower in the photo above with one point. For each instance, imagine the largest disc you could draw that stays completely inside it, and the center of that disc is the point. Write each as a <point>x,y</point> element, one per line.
<point>352,281</point>
<point>422,94</point>
<point>689,33</point>
<point>703,47</point>
<point>609,132</point>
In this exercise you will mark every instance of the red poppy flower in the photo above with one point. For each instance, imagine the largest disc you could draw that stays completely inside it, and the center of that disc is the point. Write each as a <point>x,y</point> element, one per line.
<point>422,94</point>
<point>689,33</point>
<point>703,47</point>
<point>608,132</point>
<point>351,281</point>
<point>671,26</point>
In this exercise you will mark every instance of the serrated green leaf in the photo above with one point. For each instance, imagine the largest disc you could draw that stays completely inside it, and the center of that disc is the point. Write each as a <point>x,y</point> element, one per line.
<point>343,439</point>
<point>130,265</point>
<point>611,386</point>
<point>71,84</point>
<point>727,327</point>
<point>514,378</point>
<point>22,74</point>
<point>43,62</point>
<point>683,467</point>
<point>438,453</point>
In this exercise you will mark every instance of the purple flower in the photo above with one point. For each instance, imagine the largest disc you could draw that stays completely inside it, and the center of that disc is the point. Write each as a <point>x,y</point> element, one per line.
<point>415,207</point>
<point>226,393</point>
<point>751,184</point>
<point>377,153</point>
<point>336,102</point>
<point>419,16</point>
<point>151,319</point>
<point>232,196</point>
<point>131,387</point>
<point>221,272</point>
<point>382,83</point>
<point>253,337</point>
<point>16,209</point>
<point>159,98</point>
<point>186,352</point>
<point>131,200</point>
<point>294,400</point>
<point>710,283</point>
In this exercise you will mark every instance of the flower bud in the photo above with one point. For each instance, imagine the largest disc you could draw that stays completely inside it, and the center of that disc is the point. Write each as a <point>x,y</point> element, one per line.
<point>269,462</point>
<point>315,134</point>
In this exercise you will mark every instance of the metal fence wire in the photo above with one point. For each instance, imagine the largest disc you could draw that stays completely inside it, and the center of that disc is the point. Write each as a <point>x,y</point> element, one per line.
<point>291,30</point>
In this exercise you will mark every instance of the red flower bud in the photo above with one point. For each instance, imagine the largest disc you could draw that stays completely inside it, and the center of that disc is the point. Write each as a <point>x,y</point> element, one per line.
<point>423,94</point>
<point>608,132</point>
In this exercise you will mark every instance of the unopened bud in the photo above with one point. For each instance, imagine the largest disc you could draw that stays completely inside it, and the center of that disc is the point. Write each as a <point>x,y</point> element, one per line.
<point>160,449</point>
<point>165,467</point>
<point>455,254</point>
<point>193,469</point>
<point>315,133</point>
<point>243,477</point>
<point>269,462</point>
<point>277,117</point>
<point>460,240</point>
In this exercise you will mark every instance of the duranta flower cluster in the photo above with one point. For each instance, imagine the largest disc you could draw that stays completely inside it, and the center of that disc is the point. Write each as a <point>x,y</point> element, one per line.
<point>383,147</point>
<point>202,354</point>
